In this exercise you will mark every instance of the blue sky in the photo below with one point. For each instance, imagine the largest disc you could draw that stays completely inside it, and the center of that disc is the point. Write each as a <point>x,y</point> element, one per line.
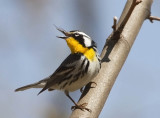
<point>30,51</point>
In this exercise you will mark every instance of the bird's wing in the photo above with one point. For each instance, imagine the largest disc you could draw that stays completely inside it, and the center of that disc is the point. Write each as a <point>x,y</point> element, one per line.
<point>62,71</point>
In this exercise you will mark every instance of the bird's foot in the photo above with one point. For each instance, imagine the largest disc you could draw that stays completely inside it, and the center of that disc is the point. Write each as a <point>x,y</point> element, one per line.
<point>82,89</point>
<point>81,107</point>
<point>93,84</point>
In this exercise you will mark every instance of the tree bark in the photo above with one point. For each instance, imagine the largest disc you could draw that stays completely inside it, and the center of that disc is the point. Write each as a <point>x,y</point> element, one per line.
<point>114,54</point>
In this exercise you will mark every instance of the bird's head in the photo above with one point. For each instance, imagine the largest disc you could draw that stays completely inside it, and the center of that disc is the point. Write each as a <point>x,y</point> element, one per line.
<point>78,41</point>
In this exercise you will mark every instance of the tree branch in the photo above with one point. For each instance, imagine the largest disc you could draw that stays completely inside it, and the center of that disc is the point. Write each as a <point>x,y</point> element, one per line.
<point>113,56</point>
<point>151,18</point>
<point>133,5</point>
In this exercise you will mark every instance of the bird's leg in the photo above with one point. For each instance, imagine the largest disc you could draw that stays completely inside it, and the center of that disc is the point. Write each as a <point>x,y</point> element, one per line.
<point>89,84</point>
<point>81,106</point>
<point>82,89</point>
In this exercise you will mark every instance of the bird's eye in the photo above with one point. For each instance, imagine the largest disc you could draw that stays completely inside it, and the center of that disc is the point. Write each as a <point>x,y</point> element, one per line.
<point>76,34</point>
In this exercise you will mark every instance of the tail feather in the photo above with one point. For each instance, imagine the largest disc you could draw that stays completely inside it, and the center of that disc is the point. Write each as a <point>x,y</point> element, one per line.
<point>35,85</point>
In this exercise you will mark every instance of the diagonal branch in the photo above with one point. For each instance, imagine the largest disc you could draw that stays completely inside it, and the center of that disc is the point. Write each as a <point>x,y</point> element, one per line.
<point>133,5</point>
<point>114,54</point>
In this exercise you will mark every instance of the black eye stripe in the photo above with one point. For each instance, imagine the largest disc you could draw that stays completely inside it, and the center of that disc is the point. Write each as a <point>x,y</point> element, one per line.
<point>80,39</point>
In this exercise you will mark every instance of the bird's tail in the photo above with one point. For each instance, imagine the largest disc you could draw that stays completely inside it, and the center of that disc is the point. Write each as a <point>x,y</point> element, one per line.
<point>34,85</point>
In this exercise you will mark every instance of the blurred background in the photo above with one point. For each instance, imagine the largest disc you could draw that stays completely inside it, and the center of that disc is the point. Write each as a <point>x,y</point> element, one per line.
<point>30,51</point>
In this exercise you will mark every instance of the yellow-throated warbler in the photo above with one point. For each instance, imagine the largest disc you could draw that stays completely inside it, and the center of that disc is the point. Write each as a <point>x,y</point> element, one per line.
<point>76,71</point>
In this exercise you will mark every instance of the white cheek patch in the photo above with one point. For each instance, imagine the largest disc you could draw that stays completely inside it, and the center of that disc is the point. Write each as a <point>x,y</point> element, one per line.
<point>87,41</point>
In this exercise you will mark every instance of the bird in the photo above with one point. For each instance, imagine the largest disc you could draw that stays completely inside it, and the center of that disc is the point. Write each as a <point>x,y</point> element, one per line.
<point>76,71</point>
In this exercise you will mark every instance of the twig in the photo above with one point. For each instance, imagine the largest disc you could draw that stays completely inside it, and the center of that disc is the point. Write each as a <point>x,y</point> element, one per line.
<point>134,4</point>
<point>151,18</point>
<point>114,23</point>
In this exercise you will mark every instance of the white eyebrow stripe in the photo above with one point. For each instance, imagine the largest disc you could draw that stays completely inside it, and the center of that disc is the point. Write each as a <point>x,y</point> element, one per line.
<point>82,33</point>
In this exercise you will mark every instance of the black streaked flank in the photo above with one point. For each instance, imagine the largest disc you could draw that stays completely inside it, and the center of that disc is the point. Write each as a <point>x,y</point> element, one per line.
<point>64,85</point>
<point>82,63</point>
<point>70,59</point>
<point>83,72</point>
<point>86,68</point>
<point>73,81</point>
<point>65,78</point>
<point>76,77</point>
<point>64,68</point>
<point>67,73</point>
<point>66,81</point>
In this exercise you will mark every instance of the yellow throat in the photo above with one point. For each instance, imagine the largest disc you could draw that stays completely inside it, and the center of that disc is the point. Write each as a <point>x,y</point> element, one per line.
<point>76,47</point>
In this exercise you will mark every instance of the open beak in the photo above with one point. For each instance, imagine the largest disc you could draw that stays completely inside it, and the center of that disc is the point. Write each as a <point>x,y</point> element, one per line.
<point>67,34</point>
